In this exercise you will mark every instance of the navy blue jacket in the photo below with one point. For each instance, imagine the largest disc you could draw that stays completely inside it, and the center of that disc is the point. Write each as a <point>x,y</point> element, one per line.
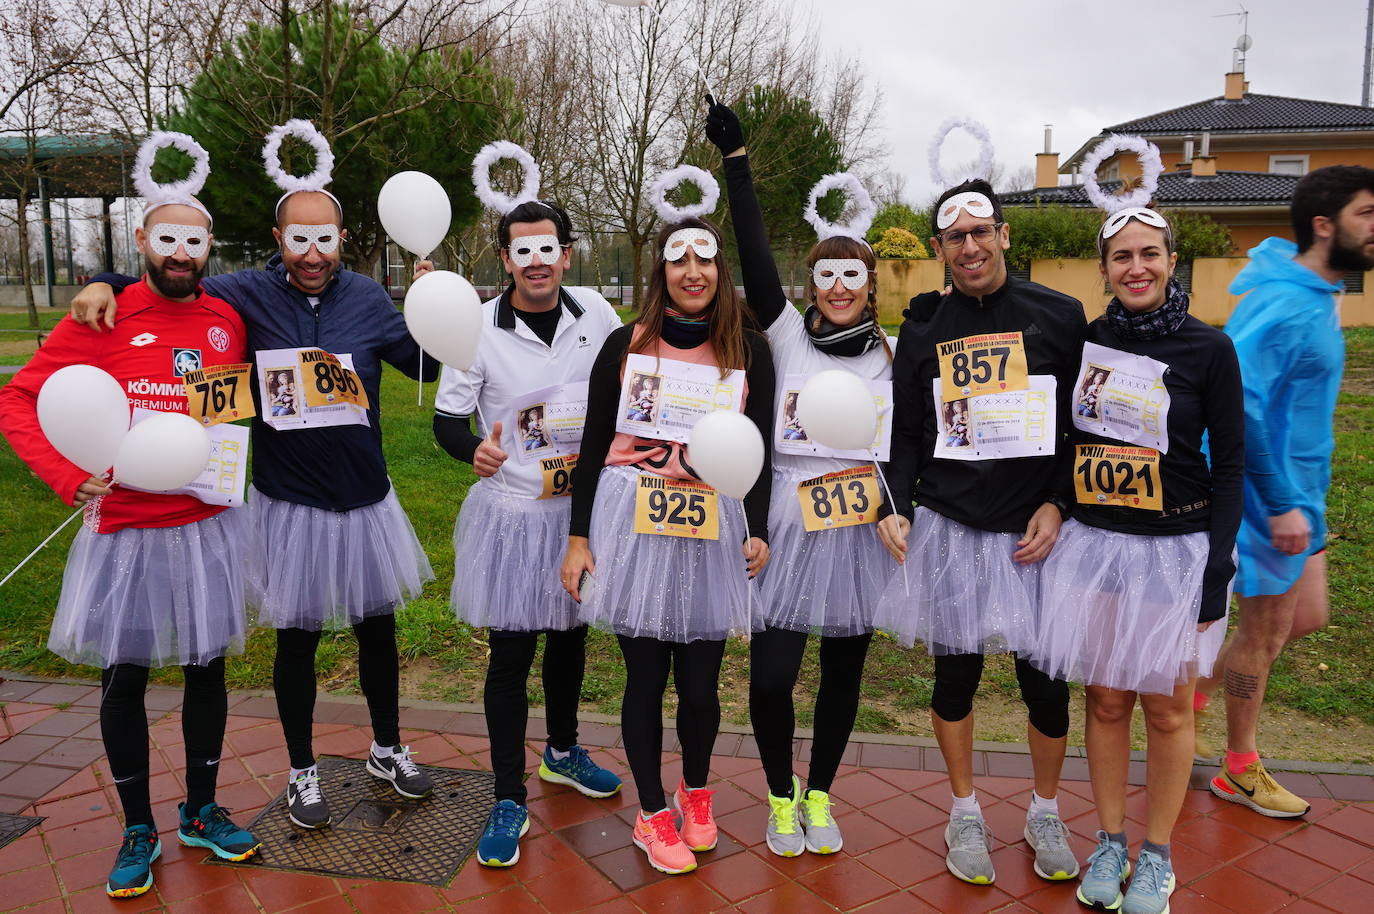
<point>338,468</point>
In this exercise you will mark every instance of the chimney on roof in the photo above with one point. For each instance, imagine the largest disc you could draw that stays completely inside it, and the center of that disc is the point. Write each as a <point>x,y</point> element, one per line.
<point>1236,86</point>
<point>1205,164</point>
<point>1047,164</point>
<point>1189,150</point>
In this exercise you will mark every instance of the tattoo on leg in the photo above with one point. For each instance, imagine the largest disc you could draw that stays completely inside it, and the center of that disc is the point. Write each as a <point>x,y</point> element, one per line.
<point>1241,685</point>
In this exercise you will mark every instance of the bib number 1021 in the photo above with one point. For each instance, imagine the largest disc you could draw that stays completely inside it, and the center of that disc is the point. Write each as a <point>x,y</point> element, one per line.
<point>1126,477</point>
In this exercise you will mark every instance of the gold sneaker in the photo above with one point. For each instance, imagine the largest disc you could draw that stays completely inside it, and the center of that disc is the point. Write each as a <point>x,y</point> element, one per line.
<point>1254,787</point>
<point>1203,747</point>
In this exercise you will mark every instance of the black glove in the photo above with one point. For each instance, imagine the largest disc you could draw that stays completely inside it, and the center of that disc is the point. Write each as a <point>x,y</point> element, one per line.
<point>723,128</point>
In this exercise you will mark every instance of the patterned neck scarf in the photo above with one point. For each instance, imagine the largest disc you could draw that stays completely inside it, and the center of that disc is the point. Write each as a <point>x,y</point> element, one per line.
<point>686,331</point>
<point>856,339</point>
<point>1150,325</point>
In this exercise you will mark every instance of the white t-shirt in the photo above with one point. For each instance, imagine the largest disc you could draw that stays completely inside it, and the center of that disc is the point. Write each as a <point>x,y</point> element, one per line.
<point>511,362</point>
<point>795,354</point>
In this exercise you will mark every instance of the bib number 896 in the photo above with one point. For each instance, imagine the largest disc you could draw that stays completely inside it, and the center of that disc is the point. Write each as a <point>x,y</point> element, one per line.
<point>330,377</point>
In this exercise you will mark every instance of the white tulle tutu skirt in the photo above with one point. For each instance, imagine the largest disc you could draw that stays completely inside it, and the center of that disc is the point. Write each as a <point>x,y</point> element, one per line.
<point>666,587</point>
<point>966,596</point>
<point>1120,610</point>
<point>827,582</point>
<point>507,553</point>
<point>315,569</point>
<point>154,596</point>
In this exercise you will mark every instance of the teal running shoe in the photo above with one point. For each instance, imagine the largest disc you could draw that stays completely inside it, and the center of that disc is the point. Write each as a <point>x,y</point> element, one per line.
<point>500,843</point>
<point>578,771</point>
<point>133,869</point>
<point>211,828</point>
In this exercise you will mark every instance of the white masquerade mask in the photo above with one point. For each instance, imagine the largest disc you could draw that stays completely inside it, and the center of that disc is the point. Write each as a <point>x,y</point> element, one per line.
<point>971,202</point>
<point>699,240</point>
<point>852,273</point>
<point>522,250</point>
<point>165,237</point>
<point>298,238</point>
<point>1117,221</point>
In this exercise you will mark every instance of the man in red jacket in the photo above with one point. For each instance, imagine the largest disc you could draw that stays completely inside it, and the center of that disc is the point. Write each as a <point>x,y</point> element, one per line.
<point>152,579</point>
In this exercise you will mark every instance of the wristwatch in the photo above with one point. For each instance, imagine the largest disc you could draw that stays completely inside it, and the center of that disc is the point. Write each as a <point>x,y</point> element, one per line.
<point>1063,506</point>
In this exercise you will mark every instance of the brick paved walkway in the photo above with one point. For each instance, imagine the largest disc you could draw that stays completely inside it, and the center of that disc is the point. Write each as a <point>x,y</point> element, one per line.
<point>890,801</point>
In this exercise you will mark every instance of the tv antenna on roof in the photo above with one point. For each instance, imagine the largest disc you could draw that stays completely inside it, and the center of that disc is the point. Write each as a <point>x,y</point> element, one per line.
<point>1244,42</point>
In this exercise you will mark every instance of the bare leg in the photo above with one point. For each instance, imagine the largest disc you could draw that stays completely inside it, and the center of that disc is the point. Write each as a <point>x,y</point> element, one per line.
<point>956,745</point>
<point>1169,758</point>
<point>1265,622</point>
<point>1047,759</point>
<point>1107,735</point>
<point>1314,606</point>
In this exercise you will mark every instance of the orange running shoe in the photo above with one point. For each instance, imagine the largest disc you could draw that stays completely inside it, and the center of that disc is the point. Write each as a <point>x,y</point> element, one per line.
<point>658,837</point>
<point>698,825</point>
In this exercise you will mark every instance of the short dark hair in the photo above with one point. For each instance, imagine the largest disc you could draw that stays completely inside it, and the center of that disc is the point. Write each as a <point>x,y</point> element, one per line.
<point>1325,192</point>
<point>535,211</point>
<point>973,186</point>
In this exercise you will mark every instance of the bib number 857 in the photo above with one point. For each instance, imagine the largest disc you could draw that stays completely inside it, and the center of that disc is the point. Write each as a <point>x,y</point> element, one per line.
<point>976,366</point>
<point>677,508</point>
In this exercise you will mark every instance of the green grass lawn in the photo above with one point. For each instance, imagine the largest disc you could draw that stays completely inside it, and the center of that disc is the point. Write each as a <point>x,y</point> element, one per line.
<point>1326,675</point>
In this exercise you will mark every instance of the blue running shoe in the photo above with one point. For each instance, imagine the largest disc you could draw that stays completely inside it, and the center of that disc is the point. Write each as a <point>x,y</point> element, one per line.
<point>500,844</point>
<point>211,828</point>
<point>1108,867</point>
<point>579,772</point>
<point>133,869</point>
<point>1150,889</point>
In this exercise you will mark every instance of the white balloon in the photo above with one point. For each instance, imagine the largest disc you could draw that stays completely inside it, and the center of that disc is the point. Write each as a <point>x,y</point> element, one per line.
<point>837,409</point>
<point>414,211</point>
<point>628,2</point>
<point>163,452</point>
<point>84,414</point>
<point>726,450</point>
<point>444,314</point>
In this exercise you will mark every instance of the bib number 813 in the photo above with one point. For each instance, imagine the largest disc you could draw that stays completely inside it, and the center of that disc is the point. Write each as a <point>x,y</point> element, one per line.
<point>826,499</point>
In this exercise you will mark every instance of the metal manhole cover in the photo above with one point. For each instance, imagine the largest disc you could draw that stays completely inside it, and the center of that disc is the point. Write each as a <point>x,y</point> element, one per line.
<point>376,834</point>
<point>12,827</point>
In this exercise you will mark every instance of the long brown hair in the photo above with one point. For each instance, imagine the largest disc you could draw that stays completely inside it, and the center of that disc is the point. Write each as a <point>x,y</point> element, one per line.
<point>842,247</point>
<point>727,322</point>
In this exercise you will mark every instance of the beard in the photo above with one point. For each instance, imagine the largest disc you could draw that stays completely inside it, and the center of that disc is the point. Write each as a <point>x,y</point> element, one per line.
<point>175,286</point>
<point>1347,255</point>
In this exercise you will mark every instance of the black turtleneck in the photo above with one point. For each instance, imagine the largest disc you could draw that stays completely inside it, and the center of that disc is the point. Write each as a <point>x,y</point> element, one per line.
<point>996,495</point>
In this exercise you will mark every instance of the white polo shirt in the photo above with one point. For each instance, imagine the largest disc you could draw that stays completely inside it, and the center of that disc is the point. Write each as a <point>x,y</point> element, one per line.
<point>512,361</point>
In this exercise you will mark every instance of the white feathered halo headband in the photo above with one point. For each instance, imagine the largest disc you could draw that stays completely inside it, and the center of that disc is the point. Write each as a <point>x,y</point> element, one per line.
<point>858,198</point>
<point>181,192</point>
<point>658,193</point>
<point>1122,208</point>
<point>294,184</point>
<point>492,198</point>
<point>981,169</point>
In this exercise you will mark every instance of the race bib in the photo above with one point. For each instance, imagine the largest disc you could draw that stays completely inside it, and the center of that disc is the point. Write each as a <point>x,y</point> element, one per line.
<point>841,499</point>
<point>296,386</point>
<point>557,472</point>
<point>789,437</point>
<point>549,421</point>
<point>1123,477</point>
<point>664,398</point>
<point>1120,395</point>
<point>328,381</point>
<point>1017,423</point>
<point>982,364</point>
<point>676,507</point>
<point>225,476</point>
<point>220,393</point>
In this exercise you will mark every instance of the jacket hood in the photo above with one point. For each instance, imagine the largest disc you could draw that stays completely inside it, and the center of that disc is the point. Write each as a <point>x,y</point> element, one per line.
<point>1272,261</point>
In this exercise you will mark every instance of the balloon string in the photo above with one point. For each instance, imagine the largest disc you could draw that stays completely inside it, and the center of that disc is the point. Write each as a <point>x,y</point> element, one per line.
<point>906,582</point>
<point>653,12</point>
<point>75,515</point>
<point>483,419</point>
<point>420,380</point>
<point>748,581</point>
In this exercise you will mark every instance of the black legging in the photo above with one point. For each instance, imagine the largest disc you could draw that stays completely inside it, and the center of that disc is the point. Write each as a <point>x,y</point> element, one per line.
<point>507,703</point>
<point>379,673</point>
<point>775,657</point>
<point>957,677</point>
<point>124,728</point>
<point>696,675</point>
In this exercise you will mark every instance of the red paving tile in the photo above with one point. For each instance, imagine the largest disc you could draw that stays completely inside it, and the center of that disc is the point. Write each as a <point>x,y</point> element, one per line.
<point>904,862</point>
<point>743,876</point>
<point>1342,894</point>
<point>788,898</point>
<point>231,899</point>
<point>29,886</point>
<point>681,894</point>
<point>1236,889</point>
<point>945,893</point>
<point>848,884</point>
<point>1286,868</point>
<point>572,888</point>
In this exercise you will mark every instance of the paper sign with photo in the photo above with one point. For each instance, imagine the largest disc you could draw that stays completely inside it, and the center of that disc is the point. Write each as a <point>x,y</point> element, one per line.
<point>1017,423</point>
<point>548,421</point>
<point>789,437</point>
<point>1120,395</point>
<point>283,376</point>
<point>664,398</point>
<point>225,476</point>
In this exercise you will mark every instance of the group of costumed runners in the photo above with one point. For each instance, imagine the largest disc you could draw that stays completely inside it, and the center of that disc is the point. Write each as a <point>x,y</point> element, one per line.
<point>1077,493</point>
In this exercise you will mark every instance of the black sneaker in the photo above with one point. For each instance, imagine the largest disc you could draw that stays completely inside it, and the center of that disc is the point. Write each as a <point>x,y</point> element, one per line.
<point>305,800</point>
<point>408,779</point>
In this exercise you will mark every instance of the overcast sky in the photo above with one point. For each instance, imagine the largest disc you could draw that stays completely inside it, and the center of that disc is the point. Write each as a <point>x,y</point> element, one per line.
<point>1017,65</point>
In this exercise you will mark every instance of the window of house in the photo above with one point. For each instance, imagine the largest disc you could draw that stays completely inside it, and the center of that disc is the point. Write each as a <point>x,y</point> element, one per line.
<point>1288,165</point>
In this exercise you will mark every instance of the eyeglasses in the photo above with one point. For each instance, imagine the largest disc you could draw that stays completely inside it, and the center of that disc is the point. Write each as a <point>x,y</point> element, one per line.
<point>980,233</point>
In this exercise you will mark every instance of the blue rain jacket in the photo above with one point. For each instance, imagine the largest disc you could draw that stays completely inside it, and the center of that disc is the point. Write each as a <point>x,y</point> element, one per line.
<point>1287,335</point>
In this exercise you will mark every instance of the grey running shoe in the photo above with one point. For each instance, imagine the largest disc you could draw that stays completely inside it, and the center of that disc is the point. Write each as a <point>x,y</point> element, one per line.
<point>784,835</point>
<point>305,802</point>
<point>1107,869</point>
<point>407,778</point>
<point>1048,837</point>
<point>1150,889</point>
<point>822,831</point>
<point>969,856</point>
